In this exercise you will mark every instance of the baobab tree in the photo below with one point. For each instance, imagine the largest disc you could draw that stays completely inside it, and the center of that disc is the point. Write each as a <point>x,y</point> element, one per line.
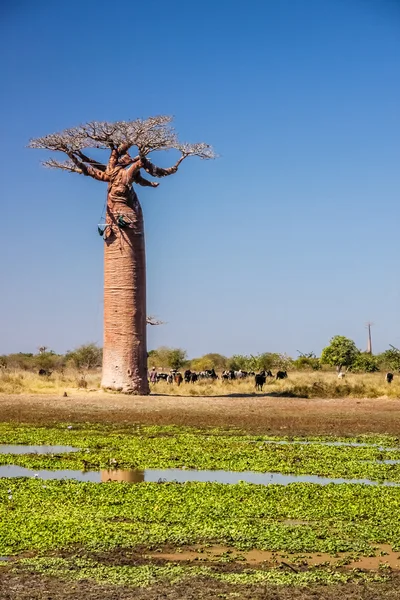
<point>124,348</point>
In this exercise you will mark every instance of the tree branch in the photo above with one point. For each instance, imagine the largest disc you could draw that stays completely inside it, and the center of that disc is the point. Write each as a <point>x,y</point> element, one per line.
<point>143,181</point>
<point>88,169</point>
<point>91,161</point>
<point>154,321</point>
<point>155,171</point>
<point>65,166</point>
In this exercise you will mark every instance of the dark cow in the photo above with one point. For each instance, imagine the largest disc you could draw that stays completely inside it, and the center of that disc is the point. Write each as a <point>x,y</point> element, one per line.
<point>193,377</point>
<point>162,377</point>
<point>211,374</point>
<point>260,380</point>
<point>178,378</point>
<point>389,377</point>
<point>187,376</point>
<point>281,375</point>
<point>45,372</point>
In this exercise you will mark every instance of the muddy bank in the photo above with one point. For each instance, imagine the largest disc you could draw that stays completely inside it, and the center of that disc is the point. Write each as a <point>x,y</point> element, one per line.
<point>262,413</point>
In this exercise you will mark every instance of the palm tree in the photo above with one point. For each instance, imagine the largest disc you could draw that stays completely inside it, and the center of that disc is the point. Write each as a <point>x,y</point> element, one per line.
<point>124,349</point>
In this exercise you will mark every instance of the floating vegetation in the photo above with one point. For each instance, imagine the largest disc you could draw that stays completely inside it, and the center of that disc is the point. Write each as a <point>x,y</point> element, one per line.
<point>143,448</point>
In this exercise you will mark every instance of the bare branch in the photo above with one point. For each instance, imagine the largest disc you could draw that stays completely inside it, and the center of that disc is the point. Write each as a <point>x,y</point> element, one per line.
<point>68,165</point>
<point>202,150</point>
<point>154,321</point>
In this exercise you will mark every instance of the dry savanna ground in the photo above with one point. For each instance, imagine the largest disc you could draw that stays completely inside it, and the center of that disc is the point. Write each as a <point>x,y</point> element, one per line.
<point>303,404</point>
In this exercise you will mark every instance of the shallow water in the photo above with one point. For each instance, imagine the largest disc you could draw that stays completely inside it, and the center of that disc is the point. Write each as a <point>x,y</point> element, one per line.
<point>36,449</point>
<point>348,444</point>
<point>180,476</point>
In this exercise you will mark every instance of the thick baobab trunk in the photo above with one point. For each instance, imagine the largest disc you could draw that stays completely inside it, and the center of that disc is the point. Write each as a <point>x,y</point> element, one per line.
<point>125,349</point>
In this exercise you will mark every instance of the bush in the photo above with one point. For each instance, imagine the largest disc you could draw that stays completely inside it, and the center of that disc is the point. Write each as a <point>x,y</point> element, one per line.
<point>365,363</point>
<point>86,357</point>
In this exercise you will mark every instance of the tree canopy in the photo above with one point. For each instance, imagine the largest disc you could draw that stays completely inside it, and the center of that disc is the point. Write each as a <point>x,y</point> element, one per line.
<point>341,352</point>
<point>146,135</point>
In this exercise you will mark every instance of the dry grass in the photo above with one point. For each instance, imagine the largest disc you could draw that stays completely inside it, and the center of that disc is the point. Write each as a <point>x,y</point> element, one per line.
<point>26,382</point>
<point>297,385</point>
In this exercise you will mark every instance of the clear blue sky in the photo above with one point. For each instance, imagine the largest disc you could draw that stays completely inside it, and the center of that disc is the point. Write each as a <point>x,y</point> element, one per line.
<point>290,237</point>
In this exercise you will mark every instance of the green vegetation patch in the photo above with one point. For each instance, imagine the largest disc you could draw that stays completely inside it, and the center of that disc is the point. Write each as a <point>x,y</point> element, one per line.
<point>53,515</point>
<point>147,575</point>
<point>169,447</point>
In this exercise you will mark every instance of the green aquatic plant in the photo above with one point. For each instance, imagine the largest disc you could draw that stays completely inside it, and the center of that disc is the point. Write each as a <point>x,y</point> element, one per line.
<point>151,574</point>
<point>162,448</point>
<point>55,515</point>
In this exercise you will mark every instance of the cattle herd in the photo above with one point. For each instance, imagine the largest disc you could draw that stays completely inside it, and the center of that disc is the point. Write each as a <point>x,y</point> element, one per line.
<point>189,376</point>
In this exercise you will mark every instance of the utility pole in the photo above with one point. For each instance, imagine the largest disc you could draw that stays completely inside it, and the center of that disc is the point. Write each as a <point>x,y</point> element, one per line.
<point>369,343</point>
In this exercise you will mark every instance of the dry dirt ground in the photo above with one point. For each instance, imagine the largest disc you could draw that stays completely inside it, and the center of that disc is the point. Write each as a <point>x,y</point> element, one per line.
<point>45,588</point>
<point>261,413</point>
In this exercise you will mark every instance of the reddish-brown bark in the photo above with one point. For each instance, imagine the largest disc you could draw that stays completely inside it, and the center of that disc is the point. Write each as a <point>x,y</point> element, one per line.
<point>125,349</point>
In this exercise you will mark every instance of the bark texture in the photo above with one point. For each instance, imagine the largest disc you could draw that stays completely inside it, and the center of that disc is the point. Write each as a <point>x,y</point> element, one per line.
<point>125,347</point>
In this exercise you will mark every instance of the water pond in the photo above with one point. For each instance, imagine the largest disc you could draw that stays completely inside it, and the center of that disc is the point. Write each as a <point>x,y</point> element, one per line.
<point>21,449</point>
<point>180,476</point>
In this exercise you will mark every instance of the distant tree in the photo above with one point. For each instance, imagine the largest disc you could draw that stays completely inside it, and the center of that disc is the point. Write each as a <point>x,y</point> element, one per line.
<point>20,360</point>
<point>48,360</point>
<point>307,363</point>
<point>209,361</point>
<point>390,359</point>
<point>365,363</point>
<point>85,357</point>
<point>173,358</point>
<point>238,361</point>
<point>341,352</point>
<point>177,358</point>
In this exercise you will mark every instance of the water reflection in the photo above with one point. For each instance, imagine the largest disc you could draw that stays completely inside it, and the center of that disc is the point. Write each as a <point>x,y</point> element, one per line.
<point>180,476</point>
<point>119,475</point>
<point>36,449</point>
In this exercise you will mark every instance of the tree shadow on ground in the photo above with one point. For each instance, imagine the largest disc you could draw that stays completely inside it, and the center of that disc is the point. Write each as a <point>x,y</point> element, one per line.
<point>235,395</point>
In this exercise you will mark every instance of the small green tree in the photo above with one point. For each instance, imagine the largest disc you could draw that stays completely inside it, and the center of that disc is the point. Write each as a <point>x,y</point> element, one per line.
<point>48,360</point>
<point>304,363</point>
<point>85,357</point>
<point>365,363</point>
<point>341,352</point>
<point>174,358</point>
<point>390,359</point>
<point>177,358</point>
<point>20,360</point>
<point>238,361</point>
<point>212,360</point>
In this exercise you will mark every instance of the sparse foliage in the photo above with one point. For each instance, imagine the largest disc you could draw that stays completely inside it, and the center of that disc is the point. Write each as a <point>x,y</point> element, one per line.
<point>85,357</point>
<point>146,135</point>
